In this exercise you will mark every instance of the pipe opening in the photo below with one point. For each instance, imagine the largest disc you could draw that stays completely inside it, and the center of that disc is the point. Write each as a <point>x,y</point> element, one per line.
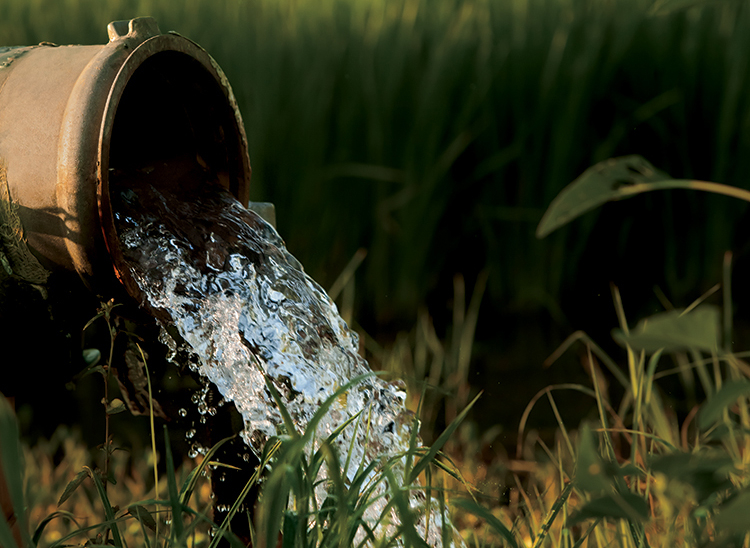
<point>174,127</point>
<point>174,111</point>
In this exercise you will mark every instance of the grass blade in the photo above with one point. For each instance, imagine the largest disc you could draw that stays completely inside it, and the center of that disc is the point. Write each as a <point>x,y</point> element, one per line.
<point>72,486</point>
<point>288,422</point>
<point>489,517</point>
<point>425,461</point>
<point>174,497</point>
<point>108,512</point>
<point>552,515</point>
<point>189,486</point>
<point>400,499</point>
<point>40,528</point>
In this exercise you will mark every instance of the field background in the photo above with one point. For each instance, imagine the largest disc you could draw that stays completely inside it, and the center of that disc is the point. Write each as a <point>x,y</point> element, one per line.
<point>434,133</point>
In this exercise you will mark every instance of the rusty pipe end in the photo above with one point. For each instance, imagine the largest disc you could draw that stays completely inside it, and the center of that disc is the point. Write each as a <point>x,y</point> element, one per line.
<point>167,103</point>
<point>71,116</point>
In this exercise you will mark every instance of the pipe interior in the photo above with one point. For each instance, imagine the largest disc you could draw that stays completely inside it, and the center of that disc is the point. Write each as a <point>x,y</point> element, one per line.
<point>174,110</point>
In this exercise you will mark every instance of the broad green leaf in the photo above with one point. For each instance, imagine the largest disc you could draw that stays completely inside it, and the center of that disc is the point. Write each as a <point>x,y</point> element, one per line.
<point>728,395</point>
<point>72,486</point>
<point>590,470</point>
<point>143,515</point>
<point>616,179</point>
<point>597,185</point>
<point>734,516</point>
<point>706,472</point>
<point>618,506</point>
<point>673,331</point>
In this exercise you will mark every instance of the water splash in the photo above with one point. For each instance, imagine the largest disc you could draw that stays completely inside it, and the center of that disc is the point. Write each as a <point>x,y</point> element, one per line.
<point>222,277</point>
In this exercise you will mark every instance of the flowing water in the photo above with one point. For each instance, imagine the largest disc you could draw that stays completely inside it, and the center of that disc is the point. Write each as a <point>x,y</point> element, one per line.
<point>222,277</point>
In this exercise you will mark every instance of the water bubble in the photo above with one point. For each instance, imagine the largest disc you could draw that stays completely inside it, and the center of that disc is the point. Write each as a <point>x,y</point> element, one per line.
<point>212,411</point>
<point>195,398</point>
<point>246,457</point>
<point>182,412</point>
<point>203,420</point>
<point>190,434</point>
<point>195,450</point>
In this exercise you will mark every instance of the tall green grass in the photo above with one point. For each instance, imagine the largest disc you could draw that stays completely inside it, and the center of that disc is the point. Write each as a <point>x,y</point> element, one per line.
<point>433,133</point>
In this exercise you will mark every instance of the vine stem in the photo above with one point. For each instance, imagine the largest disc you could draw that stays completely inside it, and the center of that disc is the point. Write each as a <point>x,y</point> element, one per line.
<point>107,445</point>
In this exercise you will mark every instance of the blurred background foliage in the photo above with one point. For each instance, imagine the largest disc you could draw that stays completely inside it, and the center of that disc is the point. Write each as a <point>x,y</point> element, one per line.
<point>434,133</point>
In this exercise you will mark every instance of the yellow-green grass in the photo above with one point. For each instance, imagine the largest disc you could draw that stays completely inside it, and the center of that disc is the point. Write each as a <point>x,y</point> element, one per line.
<point>634,474</point>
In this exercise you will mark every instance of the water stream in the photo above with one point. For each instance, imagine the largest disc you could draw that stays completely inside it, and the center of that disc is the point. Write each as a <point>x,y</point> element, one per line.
<point>222,277</point>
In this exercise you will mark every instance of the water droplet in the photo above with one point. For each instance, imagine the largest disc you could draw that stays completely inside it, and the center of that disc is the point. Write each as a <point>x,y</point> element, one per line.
<point>195,450</point>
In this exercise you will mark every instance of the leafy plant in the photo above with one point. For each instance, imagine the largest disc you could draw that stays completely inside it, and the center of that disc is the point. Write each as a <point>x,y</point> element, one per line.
<point>636,469</point>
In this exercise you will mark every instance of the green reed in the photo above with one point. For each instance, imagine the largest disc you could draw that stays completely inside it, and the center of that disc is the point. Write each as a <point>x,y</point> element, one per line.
<point>437,132</point>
